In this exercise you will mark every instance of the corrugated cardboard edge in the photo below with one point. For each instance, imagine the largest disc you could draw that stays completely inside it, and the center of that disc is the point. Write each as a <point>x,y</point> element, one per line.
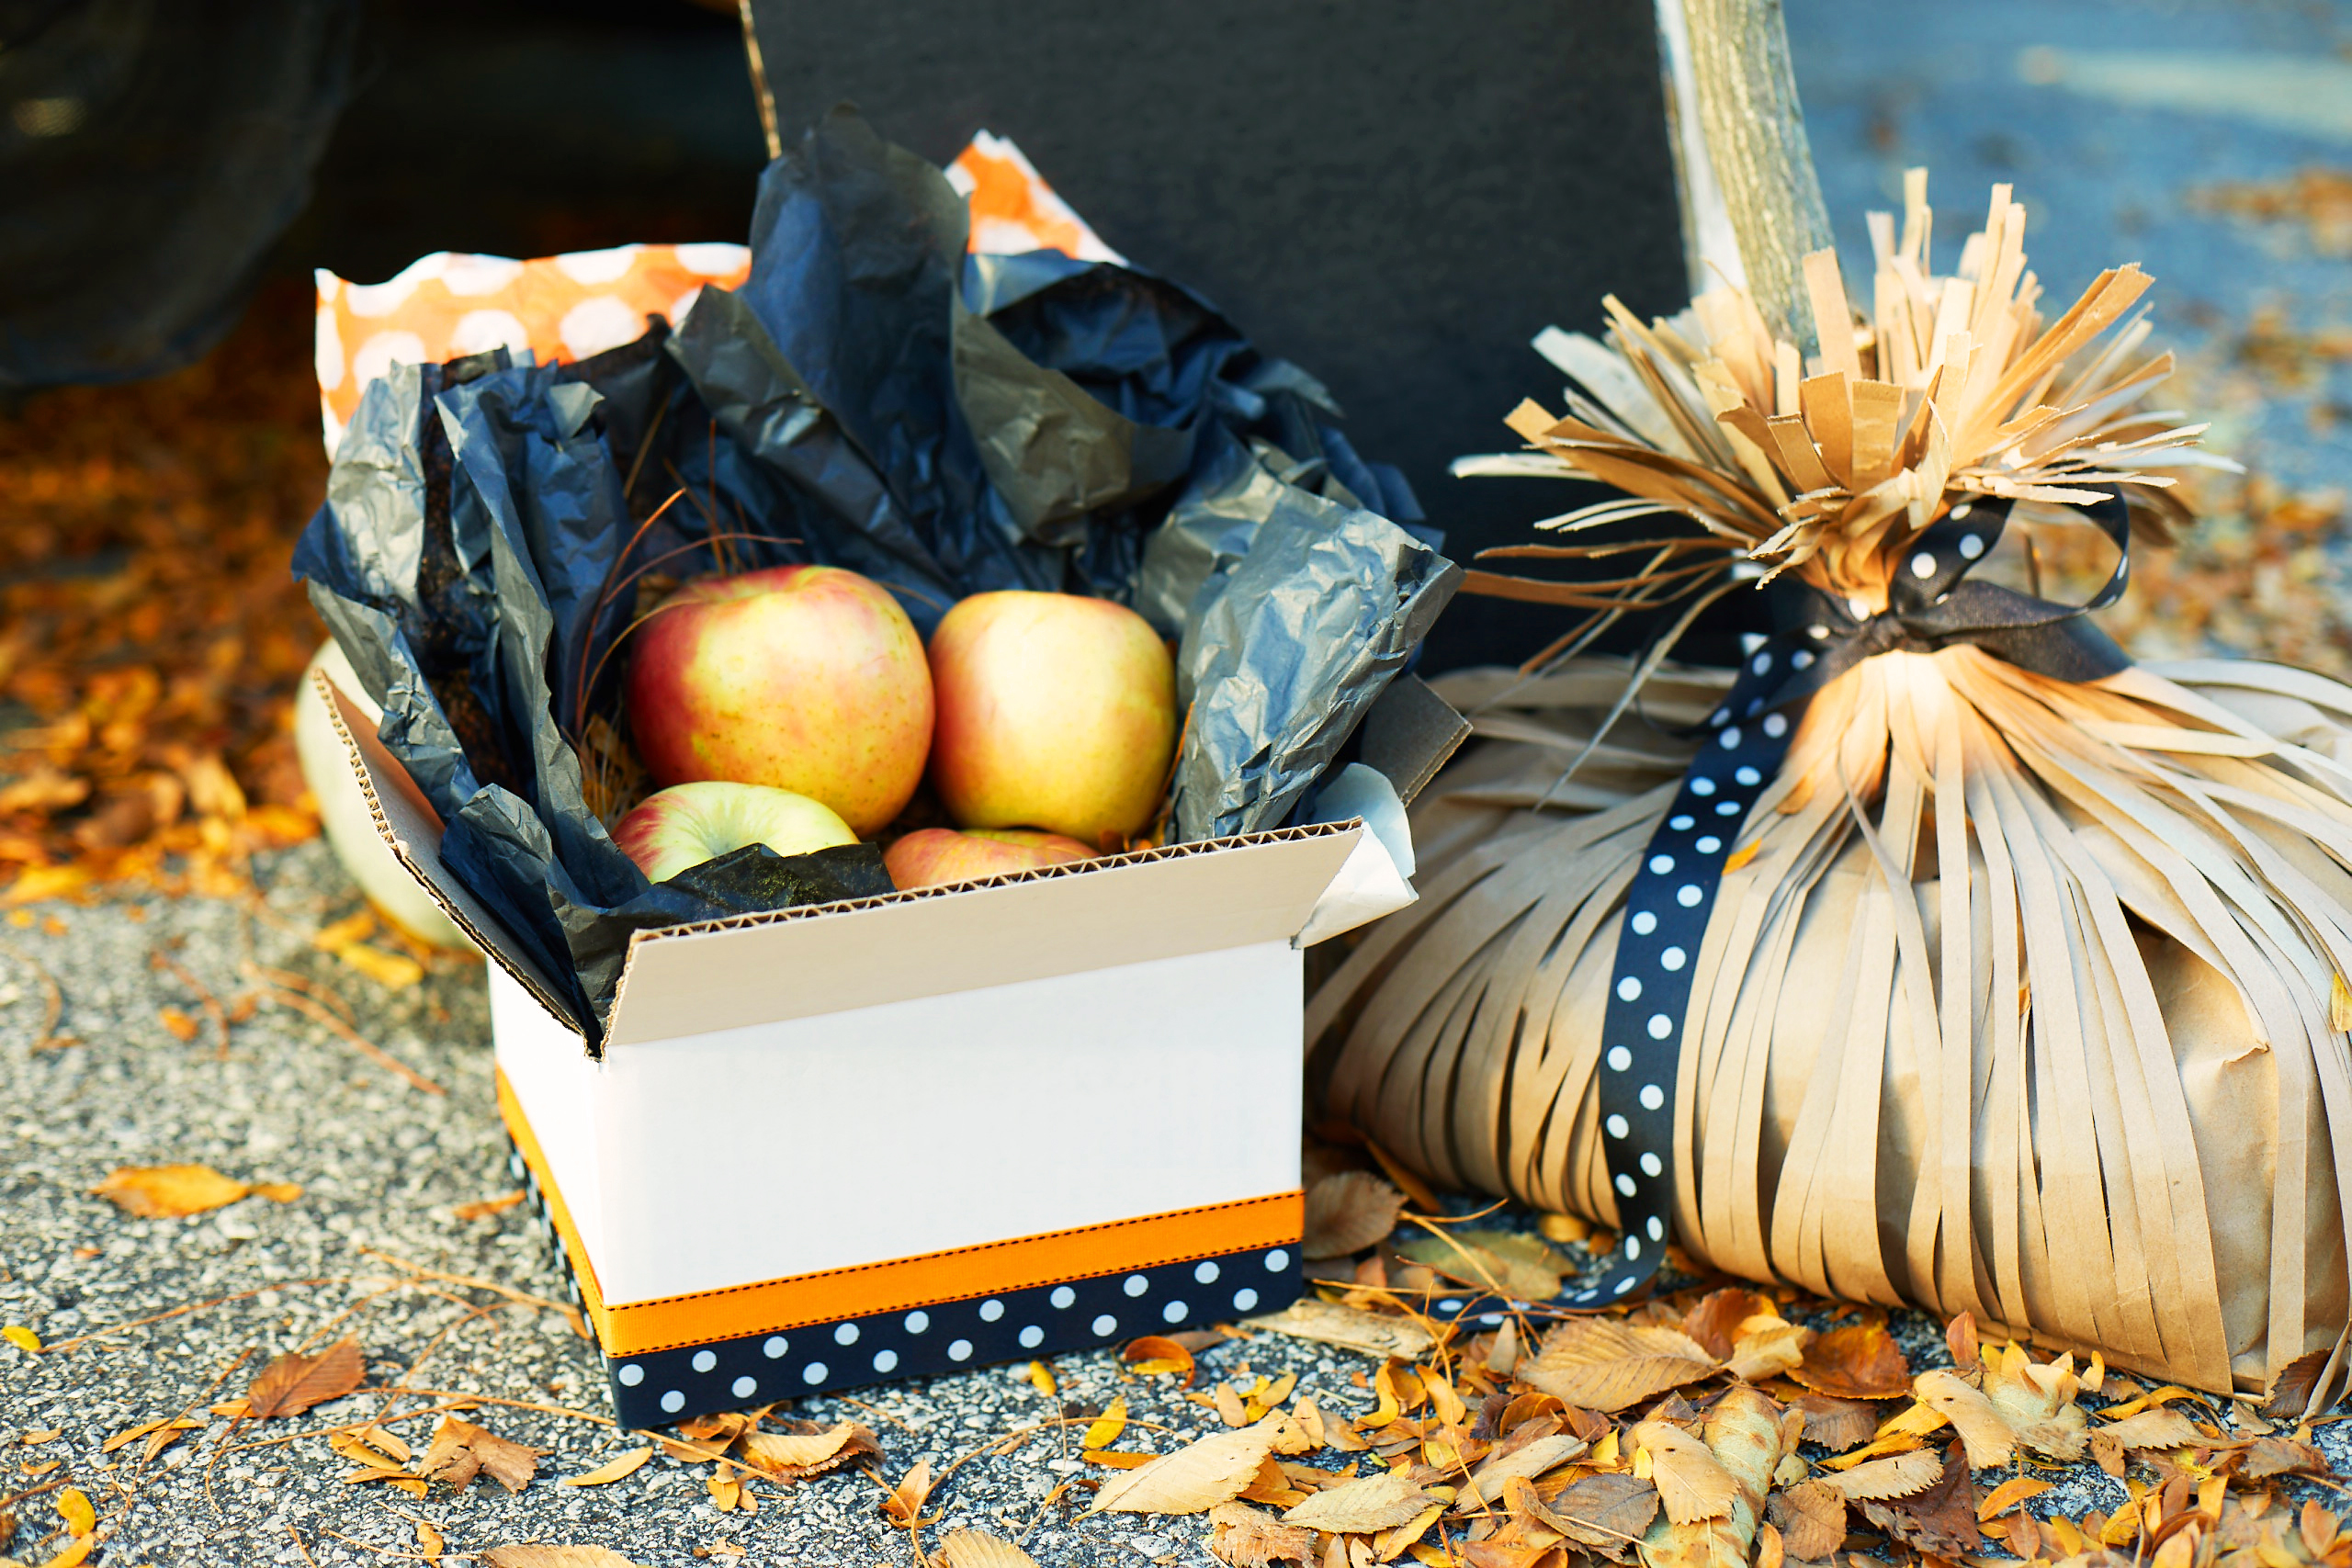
<point>421,825</point>
<point>918,895</point>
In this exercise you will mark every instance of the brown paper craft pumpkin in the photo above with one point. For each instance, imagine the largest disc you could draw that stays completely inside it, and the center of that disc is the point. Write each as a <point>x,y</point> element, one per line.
<point>2021,992</point>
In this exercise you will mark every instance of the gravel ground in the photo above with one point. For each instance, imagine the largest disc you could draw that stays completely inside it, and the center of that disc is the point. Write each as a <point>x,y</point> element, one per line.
<point>382,1166</point>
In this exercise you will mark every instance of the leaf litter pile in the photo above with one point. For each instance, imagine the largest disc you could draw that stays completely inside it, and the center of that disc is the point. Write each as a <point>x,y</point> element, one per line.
<point>151,634</point>
<point>1715,1424</point>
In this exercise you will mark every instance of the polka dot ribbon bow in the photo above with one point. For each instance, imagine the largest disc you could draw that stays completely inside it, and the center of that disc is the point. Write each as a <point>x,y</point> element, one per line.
<point>1929,607</point>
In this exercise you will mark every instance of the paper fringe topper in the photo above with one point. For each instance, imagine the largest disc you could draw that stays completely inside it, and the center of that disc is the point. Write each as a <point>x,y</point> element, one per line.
<point>2019,996</point>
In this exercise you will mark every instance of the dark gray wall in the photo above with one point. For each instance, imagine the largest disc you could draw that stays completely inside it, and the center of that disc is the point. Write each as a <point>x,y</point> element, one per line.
<point>1395,195</point>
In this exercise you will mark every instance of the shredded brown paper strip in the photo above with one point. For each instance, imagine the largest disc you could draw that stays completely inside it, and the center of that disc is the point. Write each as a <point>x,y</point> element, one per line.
<point>2094,1088</point>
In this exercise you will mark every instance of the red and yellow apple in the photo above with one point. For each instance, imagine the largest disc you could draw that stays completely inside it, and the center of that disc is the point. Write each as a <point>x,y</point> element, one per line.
<point>936,855</point>
<point>687,824</point>
<point>802,678</point>
<point>1055,711</point>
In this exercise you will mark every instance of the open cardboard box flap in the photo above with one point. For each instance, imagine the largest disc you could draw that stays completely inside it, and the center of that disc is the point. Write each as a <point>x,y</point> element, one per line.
<point>1161,903</point>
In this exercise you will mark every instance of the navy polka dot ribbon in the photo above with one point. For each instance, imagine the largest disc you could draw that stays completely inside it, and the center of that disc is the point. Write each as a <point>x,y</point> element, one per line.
<point>1819,637</point>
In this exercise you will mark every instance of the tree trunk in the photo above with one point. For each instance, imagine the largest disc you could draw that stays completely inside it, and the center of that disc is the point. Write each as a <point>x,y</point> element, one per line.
<point>1741,153</point>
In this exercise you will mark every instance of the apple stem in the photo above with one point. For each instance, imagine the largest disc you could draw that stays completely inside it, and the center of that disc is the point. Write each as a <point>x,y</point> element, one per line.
<point>605,595</point>
<point>589,684</point>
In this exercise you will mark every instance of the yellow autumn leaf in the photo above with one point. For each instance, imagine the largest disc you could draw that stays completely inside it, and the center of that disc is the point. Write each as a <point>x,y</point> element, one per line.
<point>1692,1483</point>
<point>1899,1475</point>
<point>183,1027</point>
<point>978,1549</point>
<point>23,1339</point>
<point>2008,1495</point>
<point>169,1192</point>
<point>1370,1503</point>
<point>1041,1378</point>
<point>1117,1459</point>
<point>74,1507</point>
<point>1194,1479</point>
<point>1106,1427</point>
<point>393,971</point>
<point>334,938</point>
<point>611,1469</point>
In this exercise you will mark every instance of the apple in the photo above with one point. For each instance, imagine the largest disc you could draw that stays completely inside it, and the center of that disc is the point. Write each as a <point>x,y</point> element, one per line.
<point>1055,711</point>
<point>936,855</point>
<point>803,678</point>
<point>687,824</point>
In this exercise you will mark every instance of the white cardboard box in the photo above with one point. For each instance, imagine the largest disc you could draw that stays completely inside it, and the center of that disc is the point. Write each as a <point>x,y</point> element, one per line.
<point>905,1135</point>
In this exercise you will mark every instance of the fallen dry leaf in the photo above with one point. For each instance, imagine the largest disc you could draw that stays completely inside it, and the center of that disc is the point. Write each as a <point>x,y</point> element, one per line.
<point>74,1507</point>
<point>1606,1512</point>
<point>461,1451</point>
<point>1504,1262</point>
<point>1105,1428</point>
<point>372,1448</point>
<point>1714,1320</point>
<point>1898,1476</point>
<point>1193,1479</point>
<point>1691,1483</point>
<point>182,1027</point>
<point>483,1208</point>
<point>1154,1355</point>
<point>2162,1427</point>
<point>23,1339</point>
<point>1117,1459</point>
<point>1941,1521</point>
<point>2017,1489</point>
<point>339,934</point>
<point>556,1557</point>
<point>168,1191</point>
<point>2290,1392</point>
<point>1349,1211</point>
<point>294,1382</point>
<point>1369,1503</point>
<point>1768,1349</point>
<point>165,1435</point>
<point>782,1455</point>
<point>1960,1338</point>
<point>796,1449</point>
<point>1836,1424</point>
<point>1351,1329</point>
<point>429,1544</point>
<point>393,971</point>
<point>2279,1456</point>
<point>1603,1364</point>
<point>1811,1519</point>
<point>1251,1537</point>
<point>1990,1443</point>
<point>2037,1402</point>
<point>978,1549</point>
<point>904,1503</point>
<point>611,1469</point>
<point>1859,1360</point>
<point>1527,1462</point>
